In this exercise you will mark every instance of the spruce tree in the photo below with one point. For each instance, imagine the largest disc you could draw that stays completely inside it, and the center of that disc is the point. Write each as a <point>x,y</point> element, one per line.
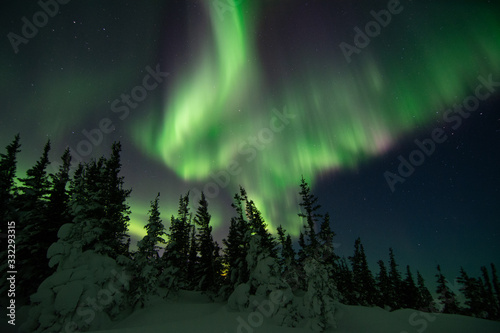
<point>472,290</point>
<point>236,248</point>
<point>8,190</point>
<point>383,286</point>
<point>364,284</point>
<point>87,206</point>
<point>425,301</point>
<point>32,205</point>
<point>287,259</point>
<point>309,213</point>
<point>193,260</point>
<point>176,256</point>
<point>58,212</point>
<point>146,263</point>
<point>326,246</point>
<point>396,282</point>
<point>410,296</point>
<point>446,295</point>
<point>345,285</point>
<point>117,208</point>
<point>488,295</point>
<point>207,271</point>
<point>496,287</point>
<point>8,167</point>
<point>257,226</point>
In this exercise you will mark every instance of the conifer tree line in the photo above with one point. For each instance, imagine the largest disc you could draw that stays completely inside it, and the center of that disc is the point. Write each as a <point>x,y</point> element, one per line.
<point>186,257</point>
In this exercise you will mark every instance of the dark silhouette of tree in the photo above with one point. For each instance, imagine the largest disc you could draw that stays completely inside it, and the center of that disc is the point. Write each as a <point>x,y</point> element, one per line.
<point>488,295</point>
<point>496,287</point>
<point>345,284</point>
<point>32,205</point>
<point>117,209</point>
<point>236,247</point>
<point>310,207</point>
<point>410,296</point>
<point>383,286</point>
<point>257,226</point>
<point>207,271</point>
<point>58,212</point>
<point>8,189</point>
<point>425,301</point>
<point>176,256</point>
<point>472,289</point>
<point>445,295</point>
<point>155,232</point>
<point>396,282</point>
<point>326,246</point>
<point>146,263</point>
<point>99,206</point>
<point>364,283</point>
<point>287,259</point>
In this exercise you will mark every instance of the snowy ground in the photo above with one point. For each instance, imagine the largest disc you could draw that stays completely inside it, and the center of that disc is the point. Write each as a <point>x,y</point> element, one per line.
<point>193,313</point>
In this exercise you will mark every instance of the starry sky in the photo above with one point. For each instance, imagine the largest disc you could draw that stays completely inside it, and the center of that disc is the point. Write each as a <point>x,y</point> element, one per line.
<point>390,110</point>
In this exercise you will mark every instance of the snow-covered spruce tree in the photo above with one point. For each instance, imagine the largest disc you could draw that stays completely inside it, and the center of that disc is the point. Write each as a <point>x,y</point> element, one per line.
<point>287,260</point>
<point>383,286</point>
<point>265,280</point>
<point>320,296</point>
<point>8,190</point>
<point>146,261</point>
<point>176,256</point>
<point>58,212</point>
<point>87,290</point>
<point>31,204</point>
<point>364,282</point>
<point>207,271</point>
<point>316,262</point>
<point>446,296</point>
<point>410,296</point>
<point>425,302</point>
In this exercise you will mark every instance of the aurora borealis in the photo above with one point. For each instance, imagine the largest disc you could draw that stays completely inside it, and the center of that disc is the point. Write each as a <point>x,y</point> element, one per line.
<point>259,93</point>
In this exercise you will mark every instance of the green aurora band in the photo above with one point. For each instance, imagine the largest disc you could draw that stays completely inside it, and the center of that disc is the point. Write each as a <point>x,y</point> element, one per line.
<point>344,114</point>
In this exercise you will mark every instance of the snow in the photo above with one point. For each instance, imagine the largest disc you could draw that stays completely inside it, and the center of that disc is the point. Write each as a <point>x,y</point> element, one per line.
<point>86,291</point>
<point>193,312</point>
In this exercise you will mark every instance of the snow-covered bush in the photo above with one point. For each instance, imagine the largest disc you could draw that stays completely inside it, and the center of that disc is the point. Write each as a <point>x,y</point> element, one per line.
<point>319,299</point>
<point>86,292</point>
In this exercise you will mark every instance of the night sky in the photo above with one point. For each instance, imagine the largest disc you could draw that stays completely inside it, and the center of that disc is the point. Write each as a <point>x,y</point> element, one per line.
<point>211,95</point>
